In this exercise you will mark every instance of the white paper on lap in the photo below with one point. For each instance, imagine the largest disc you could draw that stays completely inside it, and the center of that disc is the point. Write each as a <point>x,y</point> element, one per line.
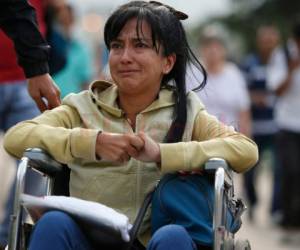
<point>86,212</point>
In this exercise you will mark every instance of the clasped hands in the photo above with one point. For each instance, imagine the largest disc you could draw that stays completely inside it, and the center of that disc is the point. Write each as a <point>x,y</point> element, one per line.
<point>120,148</point>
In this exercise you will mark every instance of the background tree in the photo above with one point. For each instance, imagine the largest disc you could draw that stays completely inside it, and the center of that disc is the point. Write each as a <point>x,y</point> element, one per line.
<point>246,16</point>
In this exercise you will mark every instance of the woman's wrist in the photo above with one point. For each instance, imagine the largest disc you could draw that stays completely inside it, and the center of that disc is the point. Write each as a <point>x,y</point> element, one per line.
<point>98,139</point>
<point>158,155</point>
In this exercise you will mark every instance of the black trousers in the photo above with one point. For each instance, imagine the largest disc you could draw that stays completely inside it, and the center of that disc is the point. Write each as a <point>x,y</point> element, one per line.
<point>288,144</point>
<point>264,142</point>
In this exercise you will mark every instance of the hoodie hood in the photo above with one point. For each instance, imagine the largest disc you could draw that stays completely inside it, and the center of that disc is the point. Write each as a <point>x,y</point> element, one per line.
<point>105,94</point>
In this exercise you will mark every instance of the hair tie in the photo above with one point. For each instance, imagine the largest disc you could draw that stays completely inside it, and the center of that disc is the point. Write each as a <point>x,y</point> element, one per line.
<point>179,14</point>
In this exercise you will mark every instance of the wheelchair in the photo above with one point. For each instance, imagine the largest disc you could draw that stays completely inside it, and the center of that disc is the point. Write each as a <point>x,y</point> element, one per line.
<point>57,181</point>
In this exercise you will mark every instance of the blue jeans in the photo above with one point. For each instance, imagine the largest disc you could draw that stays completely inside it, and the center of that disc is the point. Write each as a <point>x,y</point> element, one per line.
<point>57,230</point>
<point>173,237</point>
<point>15,105</point>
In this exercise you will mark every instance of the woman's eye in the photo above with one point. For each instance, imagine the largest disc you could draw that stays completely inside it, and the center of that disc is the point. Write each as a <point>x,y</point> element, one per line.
<point>141,45</point>
<point>115,45</point>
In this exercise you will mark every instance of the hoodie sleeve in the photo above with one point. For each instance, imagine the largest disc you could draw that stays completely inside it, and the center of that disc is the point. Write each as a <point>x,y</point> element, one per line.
<point>210,139</point>
<point>58,132</point>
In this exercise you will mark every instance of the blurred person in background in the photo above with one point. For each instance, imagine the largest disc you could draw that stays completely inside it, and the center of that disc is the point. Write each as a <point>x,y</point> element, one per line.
<point>77,72</point>
<point>28,48</point>
<point>284,80</point>
<point>102,63</point>
<point>226,95</point>
<point>264,127</point>
<point>58,56</point>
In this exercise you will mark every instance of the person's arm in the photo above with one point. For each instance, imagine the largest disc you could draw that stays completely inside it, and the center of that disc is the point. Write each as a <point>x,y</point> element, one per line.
<point>58,132</point>
<point>245,122</point>
<point>211,139</point>
<point>243,104</point>
<point>278,73</point>
<point>286,83</point>
<point>18,21</point>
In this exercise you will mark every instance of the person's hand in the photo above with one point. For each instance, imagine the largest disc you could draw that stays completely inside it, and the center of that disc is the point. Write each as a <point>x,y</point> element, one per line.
<point>43,86</point>
<point>259,98</point>
<point>293,64</point>
<point>150,152</point>
<point>118,147</point>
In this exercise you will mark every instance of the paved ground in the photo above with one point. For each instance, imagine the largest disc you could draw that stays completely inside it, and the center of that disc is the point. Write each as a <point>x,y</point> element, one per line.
<point>262,233</point>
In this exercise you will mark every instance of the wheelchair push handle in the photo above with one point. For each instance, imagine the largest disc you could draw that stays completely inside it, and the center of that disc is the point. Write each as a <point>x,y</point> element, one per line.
<point>41,161</point>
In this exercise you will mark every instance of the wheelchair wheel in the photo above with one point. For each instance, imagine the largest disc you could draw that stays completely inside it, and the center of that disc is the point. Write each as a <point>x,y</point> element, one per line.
<point>242,245</point>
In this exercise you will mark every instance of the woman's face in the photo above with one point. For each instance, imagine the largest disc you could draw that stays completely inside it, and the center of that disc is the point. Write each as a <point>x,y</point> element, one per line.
<point>135,65</point>
<point>213,52</point>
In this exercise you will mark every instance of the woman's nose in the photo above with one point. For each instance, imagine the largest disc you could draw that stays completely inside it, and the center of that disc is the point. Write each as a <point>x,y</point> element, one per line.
<point>126,55</point>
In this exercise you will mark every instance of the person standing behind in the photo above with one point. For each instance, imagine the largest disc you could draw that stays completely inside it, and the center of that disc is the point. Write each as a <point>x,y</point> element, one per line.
<point>18,22</point>
<point>264,128</point>
<point>225,95</point>
<point>285,82</point>
<point>77,72</point>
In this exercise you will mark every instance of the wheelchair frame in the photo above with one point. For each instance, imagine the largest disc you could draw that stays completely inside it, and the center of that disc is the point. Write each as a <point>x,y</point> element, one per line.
<point>44,164</point>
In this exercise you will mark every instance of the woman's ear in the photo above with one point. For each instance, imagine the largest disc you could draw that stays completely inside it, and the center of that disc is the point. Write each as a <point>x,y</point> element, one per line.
<point>169,63</point>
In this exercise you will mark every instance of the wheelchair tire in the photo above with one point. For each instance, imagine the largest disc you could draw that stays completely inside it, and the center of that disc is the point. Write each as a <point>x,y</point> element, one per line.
<point>242,244</point>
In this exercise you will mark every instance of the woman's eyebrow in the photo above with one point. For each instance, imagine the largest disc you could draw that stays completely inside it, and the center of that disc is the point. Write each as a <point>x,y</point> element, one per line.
<point>133,39</point>
<point>116,40</point>
<point>144,39</point>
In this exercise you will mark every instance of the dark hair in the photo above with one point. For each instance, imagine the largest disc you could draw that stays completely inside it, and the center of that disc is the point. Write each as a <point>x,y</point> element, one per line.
<point>296,29</point>
<point>168,32</point>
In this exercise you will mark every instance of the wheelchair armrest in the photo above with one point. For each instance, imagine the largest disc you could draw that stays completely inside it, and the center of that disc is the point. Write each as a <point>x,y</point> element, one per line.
<point>42,161</point>
<point>212,165</point>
